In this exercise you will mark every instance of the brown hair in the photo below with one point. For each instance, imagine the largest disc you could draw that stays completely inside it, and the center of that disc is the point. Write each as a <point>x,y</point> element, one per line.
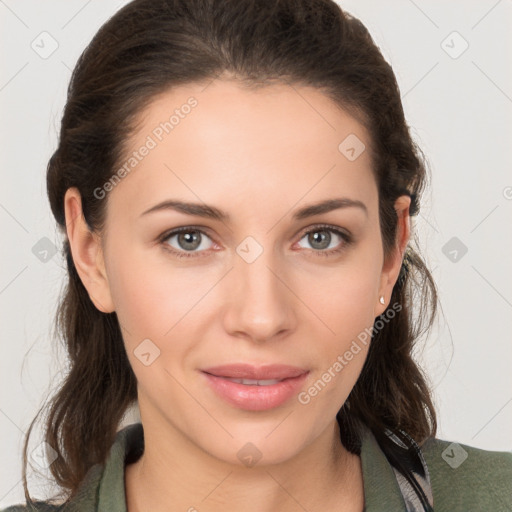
<point>148,47</point>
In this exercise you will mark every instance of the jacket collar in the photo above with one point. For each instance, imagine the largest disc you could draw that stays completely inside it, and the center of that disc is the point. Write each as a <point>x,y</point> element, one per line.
<point>103,488</point>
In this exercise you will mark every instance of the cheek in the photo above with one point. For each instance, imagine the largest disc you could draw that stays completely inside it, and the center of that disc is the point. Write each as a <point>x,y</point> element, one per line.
<point>150,305</point>
<point>349,314</point>
<point>344,300</point>
<point>155,298</point>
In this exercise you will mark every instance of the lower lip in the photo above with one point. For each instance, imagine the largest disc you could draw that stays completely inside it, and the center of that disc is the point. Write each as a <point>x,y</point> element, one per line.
<point>255,398</point>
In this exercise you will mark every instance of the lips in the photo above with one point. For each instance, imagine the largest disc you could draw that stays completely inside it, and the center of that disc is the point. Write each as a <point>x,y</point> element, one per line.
<point>255,388</point>
<point>248,372</point>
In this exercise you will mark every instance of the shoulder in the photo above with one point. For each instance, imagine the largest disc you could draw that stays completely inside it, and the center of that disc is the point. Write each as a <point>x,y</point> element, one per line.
<point>467,478</point>
<point>102,481</point>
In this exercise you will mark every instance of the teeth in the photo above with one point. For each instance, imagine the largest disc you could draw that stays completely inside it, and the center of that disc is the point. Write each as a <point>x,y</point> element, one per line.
<point>251,382</point>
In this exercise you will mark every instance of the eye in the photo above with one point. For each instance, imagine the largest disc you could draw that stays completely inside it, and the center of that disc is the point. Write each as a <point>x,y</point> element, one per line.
<point>188,241</point>
<point>320,238</point>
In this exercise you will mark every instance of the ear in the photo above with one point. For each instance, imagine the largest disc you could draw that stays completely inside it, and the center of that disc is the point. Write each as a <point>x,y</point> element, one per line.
<point>392,265</point>
<point>87,252</point>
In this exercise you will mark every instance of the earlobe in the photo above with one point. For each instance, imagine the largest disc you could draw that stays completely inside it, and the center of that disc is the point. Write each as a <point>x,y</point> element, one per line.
<point>87,253</point>
<point>391,266</point>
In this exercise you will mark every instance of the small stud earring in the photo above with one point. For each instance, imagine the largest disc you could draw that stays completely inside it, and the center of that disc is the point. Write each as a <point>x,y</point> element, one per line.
<point>381,300</point>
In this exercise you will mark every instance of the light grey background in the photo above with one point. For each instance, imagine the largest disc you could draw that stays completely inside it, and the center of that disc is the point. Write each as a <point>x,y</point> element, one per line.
<point>460,111</point>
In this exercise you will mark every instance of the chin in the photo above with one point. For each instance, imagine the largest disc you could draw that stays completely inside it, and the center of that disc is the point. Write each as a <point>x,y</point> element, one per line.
<point>254,446</point>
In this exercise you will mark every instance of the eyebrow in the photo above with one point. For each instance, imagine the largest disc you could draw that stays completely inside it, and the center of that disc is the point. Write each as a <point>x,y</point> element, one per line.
<point>211,212</point>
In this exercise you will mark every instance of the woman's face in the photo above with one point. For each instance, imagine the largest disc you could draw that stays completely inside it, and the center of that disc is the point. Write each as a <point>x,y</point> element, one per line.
<point>264,285</point>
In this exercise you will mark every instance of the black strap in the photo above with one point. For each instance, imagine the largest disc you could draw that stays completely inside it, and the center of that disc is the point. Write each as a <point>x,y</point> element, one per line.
<point>410,469</point>
<point>404,456</point>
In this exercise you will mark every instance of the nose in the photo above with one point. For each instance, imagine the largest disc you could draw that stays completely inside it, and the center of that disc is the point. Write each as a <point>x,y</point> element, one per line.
<point>261,305</point>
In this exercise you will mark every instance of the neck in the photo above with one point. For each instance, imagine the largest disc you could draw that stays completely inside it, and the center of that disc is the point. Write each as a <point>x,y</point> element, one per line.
<point>174,474</point>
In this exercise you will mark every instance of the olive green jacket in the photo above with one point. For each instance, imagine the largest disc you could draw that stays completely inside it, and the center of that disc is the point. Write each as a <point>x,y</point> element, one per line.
<point>463,478</point>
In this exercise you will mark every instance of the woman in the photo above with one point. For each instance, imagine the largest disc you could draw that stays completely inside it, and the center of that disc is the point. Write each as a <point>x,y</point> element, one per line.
<point>235,181</point>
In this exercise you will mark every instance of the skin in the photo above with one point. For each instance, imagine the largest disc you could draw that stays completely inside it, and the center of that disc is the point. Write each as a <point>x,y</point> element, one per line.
<point>259,156</point>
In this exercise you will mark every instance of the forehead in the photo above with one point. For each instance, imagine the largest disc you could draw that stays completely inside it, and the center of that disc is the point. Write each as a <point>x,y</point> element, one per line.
<point>219,141</point>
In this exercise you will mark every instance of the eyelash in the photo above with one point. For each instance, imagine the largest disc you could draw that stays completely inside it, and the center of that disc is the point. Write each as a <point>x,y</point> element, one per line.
<point>346,237</point>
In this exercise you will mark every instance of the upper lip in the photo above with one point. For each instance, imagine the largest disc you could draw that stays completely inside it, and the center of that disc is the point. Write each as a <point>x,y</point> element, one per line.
<point>249,371</point>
